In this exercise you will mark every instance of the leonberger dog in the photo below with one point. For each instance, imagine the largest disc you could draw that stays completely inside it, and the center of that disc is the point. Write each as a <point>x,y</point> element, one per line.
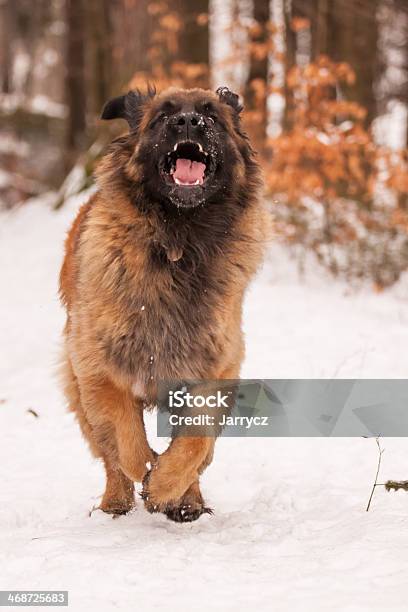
<point>156,266</point>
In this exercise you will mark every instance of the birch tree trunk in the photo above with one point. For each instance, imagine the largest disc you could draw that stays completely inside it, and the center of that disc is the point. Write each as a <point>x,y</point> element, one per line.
<point>277,72</point>
<point>392,83</point>
<point>229,52</point>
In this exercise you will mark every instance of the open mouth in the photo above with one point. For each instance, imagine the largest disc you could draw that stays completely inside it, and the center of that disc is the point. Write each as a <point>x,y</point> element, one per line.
<point>187,165</point>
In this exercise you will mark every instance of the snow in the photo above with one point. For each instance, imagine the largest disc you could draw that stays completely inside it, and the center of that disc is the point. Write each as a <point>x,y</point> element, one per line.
<point>390,128</point>
<point>290,531</point>
<point>46,106</point>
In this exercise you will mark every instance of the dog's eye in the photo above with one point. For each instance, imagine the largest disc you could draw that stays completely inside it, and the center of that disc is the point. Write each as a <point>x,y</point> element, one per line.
<point>158,119</point>
<point>208,110</point>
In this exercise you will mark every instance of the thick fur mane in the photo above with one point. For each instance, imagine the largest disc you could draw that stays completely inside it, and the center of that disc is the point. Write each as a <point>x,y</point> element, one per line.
<point>153,281</point>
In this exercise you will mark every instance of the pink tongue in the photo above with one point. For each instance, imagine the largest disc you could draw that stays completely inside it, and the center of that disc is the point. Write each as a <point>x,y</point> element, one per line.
<point>188,172</point>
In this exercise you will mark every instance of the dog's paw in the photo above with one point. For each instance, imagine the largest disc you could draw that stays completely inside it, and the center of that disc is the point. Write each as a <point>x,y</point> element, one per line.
<point>187,509</point>
<point>117,507</point>
<point>158,491</point>
<point>187,513</point>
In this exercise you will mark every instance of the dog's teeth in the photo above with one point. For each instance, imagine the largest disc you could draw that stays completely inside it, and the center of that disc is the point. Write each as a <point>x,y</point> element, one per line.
<point>200,148</point>
<point>197,182</point>
<point>175,147</point>
<point>177,181</point>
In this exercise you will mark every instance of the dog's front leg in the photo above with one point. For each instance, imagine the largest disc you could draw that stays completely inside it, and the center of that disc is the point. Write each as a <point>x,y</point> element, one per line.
<point>172,485</point>
<point>116,417</point>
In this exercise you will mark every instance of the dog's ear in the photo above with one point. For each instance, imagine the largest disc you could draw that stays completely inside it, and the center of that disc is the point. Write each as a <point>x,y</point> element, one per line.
<point>114,109</point>
<point>227,96</point>
<point>129,107</point>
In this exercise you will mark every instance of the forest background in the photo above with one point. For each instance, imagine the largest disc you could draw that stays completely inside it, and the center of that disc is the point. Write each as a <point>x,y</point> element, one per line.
<point>325,88</point>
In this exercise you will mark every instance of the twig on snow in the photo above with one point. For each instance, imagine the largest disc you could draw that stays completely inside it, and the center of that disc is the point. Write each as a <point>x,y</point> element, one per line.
<point>376,484</point>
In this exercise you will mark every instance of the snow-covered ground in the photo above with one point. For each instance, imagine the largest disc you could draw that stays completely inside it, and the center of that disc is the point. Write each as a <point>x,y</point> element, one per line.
<point>290,531</point>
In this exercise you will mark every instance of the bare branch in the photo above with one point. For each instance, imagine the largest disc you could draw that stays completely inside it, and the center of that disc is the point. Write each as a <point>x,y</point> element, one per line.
<point>380,453</point>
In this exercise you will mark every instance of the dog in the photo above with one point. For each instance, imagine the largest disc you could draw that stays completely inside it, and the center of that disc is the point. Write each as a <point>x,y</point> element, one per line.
<point>155,269</point>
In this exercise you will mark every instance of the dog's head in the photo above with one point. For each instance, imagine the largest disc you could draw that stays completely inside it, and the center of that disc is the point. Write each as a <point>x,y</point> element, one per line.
<point>186,146</point>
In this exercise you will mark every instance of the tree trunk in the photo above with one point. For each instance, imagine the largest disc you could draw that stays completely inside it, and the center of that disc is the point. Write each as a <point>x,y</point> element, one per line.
<point>6,37</point>
<point>276,102</point>
<point>193,43</point>
<point>320,29</point>
<point>100,52</point>
<point>132,26</point>
<point>353,39</point>
<point>257,84</point>
<point>75,77</point>
<point>290,61</point>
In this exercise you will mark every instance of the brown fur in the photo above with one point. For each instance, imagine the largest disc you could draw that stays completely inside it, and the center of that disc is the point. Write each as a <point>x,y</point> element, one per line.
<point>137,314</point>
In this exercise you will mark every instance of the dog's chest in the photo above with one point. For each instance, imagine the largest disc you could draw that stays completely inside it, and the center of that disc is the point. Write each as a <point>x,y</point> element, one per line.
<point>170,324</point>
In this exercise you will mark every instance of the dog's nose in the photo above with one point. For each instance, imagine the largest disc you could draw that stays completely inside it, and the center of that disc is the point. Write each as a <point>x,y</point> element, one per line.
<point>188,124</point>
